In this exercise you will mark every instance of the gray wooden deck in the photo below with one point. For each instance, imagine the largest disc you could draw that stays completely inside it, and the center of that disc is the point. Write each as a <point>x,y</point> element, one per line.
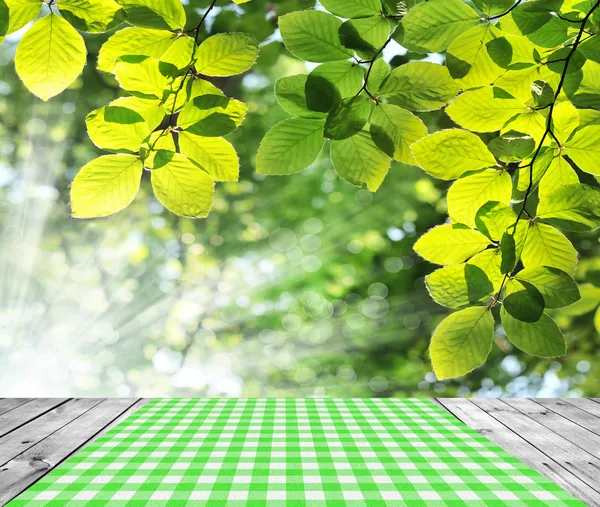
<point>560,438</point>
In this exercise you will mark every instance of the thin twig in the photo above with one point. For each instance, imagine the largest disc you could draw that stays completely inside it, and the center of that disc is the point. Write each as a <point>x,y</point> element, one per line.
<point>506,12</point>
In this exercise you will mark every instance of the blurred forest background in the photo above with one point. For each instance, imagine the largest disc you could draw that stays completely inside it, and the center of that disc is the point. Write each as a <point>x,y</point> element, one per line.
<point>294,286</point>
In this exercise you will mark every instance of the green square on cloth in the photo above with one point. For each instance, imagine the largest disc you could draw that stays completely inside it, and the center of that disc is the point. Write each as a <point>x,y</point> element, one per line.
<point>293,452</point>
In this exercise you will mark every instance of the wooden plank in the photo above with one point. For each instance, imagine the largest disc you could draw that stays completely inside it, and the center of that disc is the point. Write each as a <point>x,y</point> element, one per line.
<point>573,413</point>
<point>21,439</point>
<point>559,449</point>
<point>586,440</point>
<point>19,473</point>
<point>26,412</point>
<point>482,422</point>
<point>7,404</point>
<point>589,405</point>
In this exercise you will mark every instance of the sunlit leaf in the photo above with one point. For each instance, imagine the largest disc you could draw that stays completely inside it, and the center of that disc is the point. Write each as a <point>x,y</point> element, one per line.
<point>106,185</point>
<point>50,56</point>
<point>462,342</point>
<point>226,54</point>
<point>450,244</point>
<point>542,338</point>
<point>290,146</point>
<point>182,187</point>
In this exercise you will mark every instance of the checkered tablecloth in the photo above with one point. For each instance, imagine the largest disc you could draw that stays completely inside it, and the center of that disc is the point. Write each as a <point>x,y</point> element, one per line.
<point>257,452</point>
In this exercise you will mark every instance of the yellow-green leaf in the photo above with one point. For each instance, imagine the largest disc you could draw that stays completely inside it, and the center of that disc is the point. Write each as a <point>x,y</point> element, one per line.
<point>50,56</point>
<point>358,160</point>
<point>545,246</point>
<point>182,187</point>
<point>92,15</point>
<point>106,185</point>
<point>226,54</point>
<point>459,285</point>
<point>450,244</point>
<point>448,154</point>
<point>124,123</point>
<point>462,342</point>
<point>470,192</point>
<point>215,154</point>
<point>485,109</point>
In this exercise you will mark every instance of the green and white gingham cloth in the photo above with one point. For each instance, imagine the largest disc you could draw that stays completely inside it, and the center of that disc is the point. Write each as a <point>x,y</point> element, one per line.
<point>304,452</point>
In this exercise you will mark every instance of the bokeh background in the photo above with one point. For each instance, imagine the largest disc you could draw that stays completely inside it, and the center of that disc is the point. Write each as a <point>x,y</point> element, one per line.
<point>294,286</point>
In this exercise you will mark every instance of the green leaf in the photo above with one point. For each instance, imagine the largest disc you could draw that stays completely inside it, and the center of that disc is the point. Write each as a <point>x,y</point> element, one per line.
<point>493,7</point>
<point>542,338</point>
<point>528,175</point>
<point>485,109</point>
<point>450,244</point>
<point>435,24</point>
<point>523,301</point>
<point>152,150</point>
<point>358,160</point>
<point>106,185</point>
<point>572,207</point>
<point>212,115</point>
<point>124,123</point>
<point>545,246</point>
<point>462,342</point>
<point>143,76</point>
<point>493,218</point>
<point>556,286</point>
<point>134,41</point>
<point>366,34</point>
<point>459,285</point>
<point>559,174</point>
<point>226,54</point>
<point>590,298</point>
<point>584,149</point>
<point>353,8</point>
<point>590,48</point>
<point>512,245</point>
<point>313,36</point>
<point>379,73</point>
<point>182,187</point>
<point>512,146</point>
<point>470,192</point>
<point>468,60</point>
<point>348,117</point>
<point>92,15</point>
<point>291,95</point>
<point>565,119</point>
<point>214,154</point>
<point>330,82</point>
<point>394,130</point>
<point>489,261</point>
<point>50,56</point>
<point>529,122</point>
<point>20,12</point>
<point>290,146</point>
<point>160,14</point>
<point>448,154</point>
<point>542,94</point>
<point>419,86</point>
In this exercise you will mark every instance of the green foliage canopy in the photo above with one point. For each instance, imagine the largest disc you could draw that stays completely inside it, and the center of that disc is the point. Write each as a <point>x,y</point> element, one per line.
<point>515,87</point>
<point>519,88</point>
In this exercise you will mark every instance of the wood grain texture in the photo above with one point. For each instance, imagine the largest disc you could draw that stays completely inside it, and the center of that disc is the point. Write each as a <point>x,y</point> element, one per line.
<point>587,404</point>
<point>586,440</point>
<point>558,448</point>
<point>38,429</point>
<point>512,441</point>
<point>15,418</point>
<point>26,468</point>
<point>7,404</point>
<point>573,413</point>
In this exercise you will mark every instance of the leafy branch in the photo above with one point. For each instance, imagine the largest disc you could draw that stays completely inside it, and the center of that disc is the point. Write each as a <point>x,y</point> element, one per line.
<point>547,131</point>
